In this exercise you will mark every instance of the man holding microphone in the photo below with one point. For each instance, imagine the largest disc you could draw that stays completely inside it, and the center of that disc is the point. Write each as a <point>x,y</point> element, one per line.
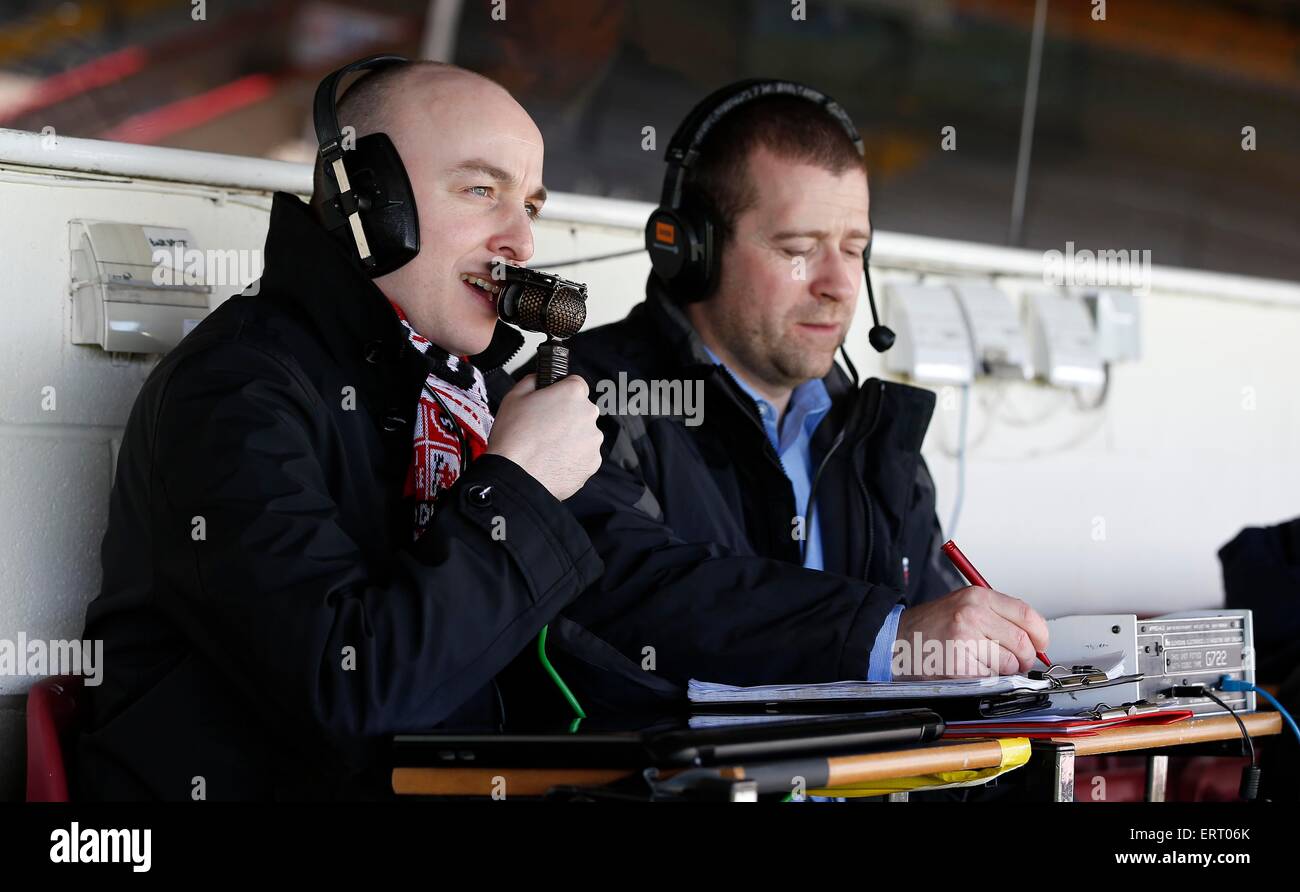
<point>330,523</point>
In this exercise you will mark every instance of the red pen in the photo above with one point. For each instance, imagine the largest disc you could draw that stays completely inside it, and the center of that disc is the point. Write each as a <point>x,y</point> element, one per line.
<point>967,569</point>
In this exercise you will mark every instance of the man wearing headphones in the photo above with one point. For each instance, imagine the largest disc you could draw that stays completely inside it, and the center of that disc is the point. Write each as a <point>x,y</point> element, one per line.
<point>301,559</point>
<point>791,535</point>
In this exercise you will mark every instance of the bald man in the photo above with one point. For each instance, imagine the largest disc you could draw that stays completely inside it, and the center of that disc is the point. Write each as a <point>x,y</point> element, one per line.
<point>334,517</point>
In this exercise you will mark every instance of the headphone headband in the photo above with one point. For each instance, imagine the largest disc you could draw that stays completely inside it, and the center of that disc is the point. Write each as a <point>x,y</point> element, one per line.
<point>325,113</point>
<point>684,147</point>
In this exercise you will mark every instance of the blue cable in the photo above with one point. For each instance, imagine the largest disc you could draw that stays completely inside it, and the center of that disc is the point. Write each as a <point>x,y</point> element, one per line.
<point>1233,684</point>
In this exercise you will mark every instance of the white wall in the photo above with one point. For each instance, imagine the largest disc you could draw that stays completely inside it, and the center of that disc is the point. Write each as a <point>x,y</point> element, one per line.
<point>1173,464</point>
<point>1169,470</point>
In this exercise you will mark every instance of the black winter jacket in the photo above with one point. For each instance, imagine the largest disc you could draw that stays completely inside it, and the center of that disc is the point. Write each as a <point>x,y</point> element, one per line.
<point>267,621</point>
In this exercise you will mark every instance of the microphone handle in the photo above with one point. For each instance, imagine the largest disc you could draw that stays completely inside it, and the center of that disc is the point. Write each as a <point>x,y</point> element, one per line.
<point>552,363</point>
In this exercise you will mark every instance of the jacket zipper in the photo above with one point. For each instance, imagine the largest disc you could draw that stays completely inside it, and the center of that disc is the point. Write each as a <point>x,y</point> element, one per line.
<point>871,522</point>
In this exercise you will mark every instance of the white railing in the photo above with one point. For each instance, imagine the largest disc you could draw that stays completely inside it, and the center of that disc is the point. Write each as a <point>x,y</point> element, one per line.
<point>892,250</point>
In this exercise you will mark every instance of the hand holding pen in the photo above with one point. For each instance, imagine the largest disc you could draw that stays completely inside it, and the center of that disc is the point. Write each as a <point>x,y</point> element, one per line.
<point>974,577</point>
<point>989,632</point>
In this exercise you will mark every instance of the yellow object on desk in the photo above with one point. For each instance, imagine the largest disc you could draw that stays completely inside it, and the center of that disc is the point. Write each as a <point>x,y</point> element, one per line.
<point>1015,753</point>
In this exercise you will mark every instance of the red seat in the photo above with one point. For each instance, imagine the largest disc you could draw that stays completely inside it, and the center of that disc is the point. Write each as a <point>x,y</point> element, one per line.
<point>51,717</point>
<point>1190,779</point>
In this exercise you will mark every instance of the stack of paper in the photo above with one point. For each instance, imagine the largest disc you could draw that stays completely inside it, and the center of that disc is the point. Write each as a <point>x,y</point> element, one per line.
<point>710,692</point>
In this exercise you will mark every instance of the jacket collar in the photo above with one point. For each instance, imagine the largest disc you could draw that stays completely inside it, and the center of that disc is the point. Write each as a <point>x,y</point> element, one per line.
<point>307,266</point>
<point>671,322</point>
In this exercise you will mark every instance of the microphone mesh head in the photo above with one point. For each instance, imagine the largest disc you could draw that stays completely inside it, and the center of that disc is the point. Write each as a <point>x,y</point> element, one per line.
<point>559,314</point>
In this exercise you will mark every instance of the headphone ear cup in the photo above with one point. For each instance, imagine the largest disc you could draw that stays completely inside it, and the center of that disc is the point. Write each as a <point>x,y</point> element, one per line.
<point>680,245</point>
<point>387,204</point>
<point>668,242</point>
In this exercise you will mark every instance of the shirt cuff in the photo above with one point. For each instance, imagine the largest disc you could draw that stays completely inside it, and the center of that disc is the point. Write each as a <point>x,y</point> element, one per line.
<point>880,669</point>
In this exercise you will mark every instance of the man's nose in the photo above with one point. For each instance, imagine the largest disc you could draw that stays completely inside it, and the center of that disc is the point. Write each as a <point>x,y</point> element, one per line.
<point>513,238</point>
<point>838,277</point>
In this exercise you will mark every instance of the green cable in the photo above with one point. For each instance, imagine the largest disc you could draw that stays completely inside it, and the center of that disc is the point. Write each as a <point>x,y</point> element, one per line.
<point>555,676</point>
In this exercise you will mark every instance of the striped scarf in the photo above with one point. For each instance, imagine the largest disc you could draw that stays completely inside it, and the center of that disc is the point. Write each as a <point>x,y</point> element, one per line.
<point>436,462</point>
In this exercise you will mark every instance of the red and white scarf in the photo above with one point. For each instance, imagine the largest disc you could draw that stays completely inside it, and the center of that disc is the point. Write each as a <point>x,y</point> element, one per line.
<point>436,463</point>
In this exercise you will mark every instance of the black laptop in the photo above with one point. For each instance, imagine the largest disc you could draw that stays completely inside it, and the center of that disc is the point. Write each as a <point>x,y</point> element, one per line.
<point>696,740</point>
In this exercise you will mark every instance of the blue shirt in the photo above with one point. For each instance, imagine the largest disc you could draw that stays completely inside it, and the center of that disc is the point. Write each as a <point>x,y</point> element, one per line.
<point>791,437</point>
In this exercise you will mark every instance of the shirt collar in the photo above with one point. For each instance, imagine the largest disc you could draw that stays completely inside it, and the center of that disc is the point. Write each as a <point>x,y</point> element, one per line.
<point>809,403</point>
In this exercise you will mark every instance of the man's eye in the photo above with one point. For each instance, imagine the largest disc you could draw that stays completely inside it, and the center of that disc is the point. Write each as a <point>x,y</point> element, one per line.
<point>486,190</point>
<point>533,210</point>
<point>797,252</point>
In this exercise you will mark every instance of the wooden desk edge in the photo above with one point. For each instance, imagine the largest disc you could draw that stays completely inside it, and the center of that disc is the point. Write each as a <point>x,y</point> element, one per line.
<point>1197,730</point>
<point>850,769</point>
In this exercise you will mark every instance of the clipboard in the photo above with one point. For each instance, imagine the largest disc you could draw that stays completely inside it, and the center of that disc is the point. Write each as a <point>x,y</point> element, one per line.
<point>1079,678</point>
<point>1076,678</point>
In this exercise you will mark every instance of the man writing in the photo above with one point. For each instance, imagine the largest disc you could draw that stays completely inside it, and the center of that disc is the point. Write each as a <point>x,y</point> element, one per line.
<point>714,567</point>
<point>327,525</point>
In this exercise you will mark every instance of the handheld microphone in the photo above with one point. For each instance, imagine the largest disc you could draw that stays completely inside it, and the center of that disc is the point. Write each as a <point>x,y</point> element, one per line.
<point>544,302</point>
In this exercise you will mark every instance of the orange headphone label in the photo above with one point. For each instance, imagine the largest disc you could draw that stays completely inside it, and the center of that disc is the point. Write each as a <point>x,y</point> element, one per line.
<point>665,232</point>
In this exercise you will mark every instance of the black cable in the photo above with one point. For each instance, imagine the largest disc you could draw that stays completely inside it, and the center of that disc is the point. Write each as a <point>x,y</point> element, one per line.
<point>1100,399</point>
<point>812,496</point>
<point>501,705</point>
<point>1251,773</point>
<point>812,488</point>
<point>853,372</point>
<point>595,257</point>
<point>1245,735</point>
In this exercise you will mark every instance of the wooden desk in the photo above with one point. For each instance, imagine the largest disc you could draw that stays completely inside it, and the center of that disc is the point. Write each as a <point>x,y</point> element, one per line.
<point>1198,730</point>
<point>1055,758</point>
<point>944,755</point>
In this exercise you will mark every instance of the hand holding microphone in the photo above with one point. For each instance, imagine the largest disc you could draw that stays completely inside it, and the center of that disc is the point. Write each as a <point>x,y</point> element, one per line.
<point>549,431</point>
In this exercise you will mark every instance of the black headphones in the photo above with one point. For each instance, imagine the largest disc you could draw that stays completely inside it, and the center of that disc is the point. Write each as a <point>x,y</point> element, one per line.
<point>368,202</point>
<point>680,236</point>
